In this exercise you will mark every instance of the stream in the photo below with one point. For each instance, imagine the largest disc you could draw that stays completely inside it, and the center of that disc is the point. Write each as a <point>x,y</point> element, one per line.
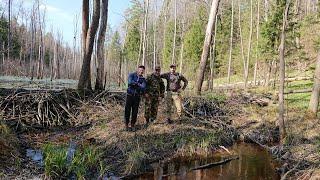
<point>253,163</point>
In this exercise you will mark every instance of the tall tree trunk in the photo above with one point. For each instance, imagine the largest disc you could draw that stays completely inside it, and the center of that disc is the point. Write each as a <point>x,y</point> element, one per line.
<point>154,37</point>
<point>206,46</point>
<point>314,100</point>
<point>164,27</point>
<point>9,28</point>
<point>266,9</point>
<point>173,61</point>
<point>144,53</point>
<point>249,46</point>
<point>85,75</point>
<point>100,45</point>
<point>31,65</point>
<point>230,46</point>
<point>257,47</point>
<point>85,23</point>
<point>182,36</point>
<point>213,56</point>
<point>241,40</point>
<point>40,54</point>
<point>282,74</point>
<point>140,44</point>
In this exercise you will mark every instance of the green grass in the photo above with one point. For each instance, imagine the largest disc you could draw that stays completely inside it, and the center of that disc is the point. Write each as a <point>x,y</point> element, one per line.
<point>233,79</point>
<point>299,101</point>
<point>135,160</point>
<point>220,98</point>
<point>86,160</point>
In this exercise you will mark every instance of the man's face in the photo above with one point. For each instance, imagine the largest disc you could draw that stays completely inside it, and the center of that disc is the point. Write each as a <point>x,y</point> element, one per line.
<point>140,71</point>
<point>173,69</point>
<point>157,71</point>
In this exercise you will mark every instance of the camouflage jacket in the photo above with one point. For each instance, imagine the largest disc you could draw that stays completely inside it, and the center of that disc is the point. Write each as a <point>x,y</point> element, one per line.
<point>174,81</point>
<point>155,85</point>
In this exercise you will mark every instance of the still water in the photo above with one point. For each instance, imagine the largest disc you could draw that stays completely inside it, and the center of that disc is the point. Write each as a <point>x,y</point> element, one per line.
<point>253,163</point>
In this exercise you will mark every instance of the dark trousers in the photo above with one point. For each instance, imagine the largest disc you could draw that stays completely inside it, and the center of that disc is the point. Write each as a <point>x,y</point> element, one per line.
<point>132,106</point>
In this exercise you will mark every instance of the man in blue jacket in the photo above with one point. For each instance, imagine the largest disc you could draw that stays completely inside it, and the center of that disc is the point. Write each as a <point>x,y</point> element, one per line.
<point>136,88</point>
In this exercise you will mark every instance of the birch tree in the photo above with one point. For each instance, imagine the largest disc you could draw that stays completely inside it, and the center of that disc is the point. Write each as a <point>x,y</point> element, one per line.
<point>206,46</point>
<point>231,39</point>
<point>282,73</point>
<point>314,100</point>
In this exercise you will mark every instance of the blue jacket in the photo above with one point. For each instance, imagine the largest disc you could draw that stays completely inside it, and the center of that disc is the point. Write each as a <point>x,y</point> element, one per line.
<point>136,84</point>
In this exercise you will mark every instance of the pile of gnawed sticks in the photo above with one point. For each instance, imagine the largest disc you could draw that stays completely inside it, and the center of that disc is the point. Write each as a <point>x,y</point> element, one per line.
<point>206,108</point>
<point>39,107</point>
<point>46,108</point>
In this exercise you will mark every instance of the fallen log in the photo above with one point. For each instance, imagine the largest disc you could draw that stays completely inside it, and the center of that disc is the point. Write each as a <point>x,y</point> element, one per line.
<point>224,161</point>
<point>297,91</point>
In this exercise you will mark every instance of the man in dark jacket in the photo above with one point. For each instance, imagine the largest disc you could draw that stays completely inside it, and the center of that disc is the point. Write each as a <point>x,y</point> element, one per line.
<point>136,88</point>
<point>174,91</point>
<point>154,92</point>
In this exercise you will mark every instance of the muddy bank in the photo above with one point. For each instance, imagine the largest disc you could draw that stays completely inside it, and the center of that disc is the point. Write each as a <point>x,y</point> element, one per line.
<point>300,153</point>
<point>96,120</point>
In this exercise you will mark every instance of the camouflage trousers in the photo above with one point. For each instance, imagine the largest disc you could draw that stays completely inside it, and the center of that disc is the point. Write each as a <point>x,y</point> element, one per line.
<point>151,107</point>
<point>173,97</point>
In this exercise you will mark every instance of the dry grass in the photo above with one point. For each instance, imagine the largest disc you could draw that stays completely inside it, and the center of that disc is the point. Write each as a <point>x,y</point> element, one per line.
<point>132,152</point>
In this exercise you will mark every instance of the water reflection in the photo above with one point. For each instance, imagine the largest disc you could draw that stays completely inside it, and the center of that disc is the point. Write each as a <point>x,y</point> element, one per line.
<point>253,163</point>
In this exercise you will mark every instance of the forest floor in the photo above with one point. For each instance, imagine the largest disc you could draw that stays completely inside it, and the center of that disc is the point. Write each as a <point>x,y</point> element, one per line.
<point>93,127</point>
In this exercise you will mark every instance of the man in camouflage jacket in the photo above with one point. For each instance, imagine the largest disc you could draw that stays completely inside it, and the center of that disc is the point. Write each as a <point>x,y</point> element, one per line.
<point>154,92</point>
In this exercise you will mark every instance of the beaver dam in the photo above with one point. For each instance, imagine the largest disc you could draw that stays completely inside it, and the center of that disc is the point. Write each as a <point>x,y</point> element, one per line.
<point>68,135</point>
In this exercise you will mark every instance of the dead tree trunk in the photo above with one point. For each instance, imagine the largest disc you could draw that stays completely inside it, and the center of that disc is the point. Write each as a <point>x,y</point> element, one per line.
<point>85,75</point>
<point>206,46</point>
<point>282,74</point>
<point>100,49</point>
<point>241,40</point>
<point>231,39</point>
<point>314,100</point>
<point>249,46</point>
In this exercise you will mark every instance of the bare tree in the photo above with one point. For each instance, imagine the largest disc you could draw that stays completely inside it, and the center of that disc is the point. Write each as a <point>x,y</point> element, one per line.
<point>249,46</point>
<point>206,46</point>
<point>257,51</point>
<point>146,10</point>
<point>175,33</point>
<point>85,75</point>
<point>9,28</point>
<point>154,37</point>
<point>241,40</point>
<point>100,45</point>
<point>231,39</point>
<point>314,100</point>
<point>213,57</point>
<point>282,73</point>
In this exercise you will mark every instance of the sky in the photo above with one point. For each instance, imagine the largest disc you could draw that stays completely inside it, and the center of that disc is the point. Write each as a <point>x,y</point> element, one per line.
<point>60,14</point>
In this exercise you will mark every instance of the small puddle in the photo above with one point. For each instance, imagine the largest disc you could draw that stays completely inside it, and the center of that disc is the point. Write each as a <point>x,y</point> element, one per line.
<point>253,163</point>
<point>36,156</point>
